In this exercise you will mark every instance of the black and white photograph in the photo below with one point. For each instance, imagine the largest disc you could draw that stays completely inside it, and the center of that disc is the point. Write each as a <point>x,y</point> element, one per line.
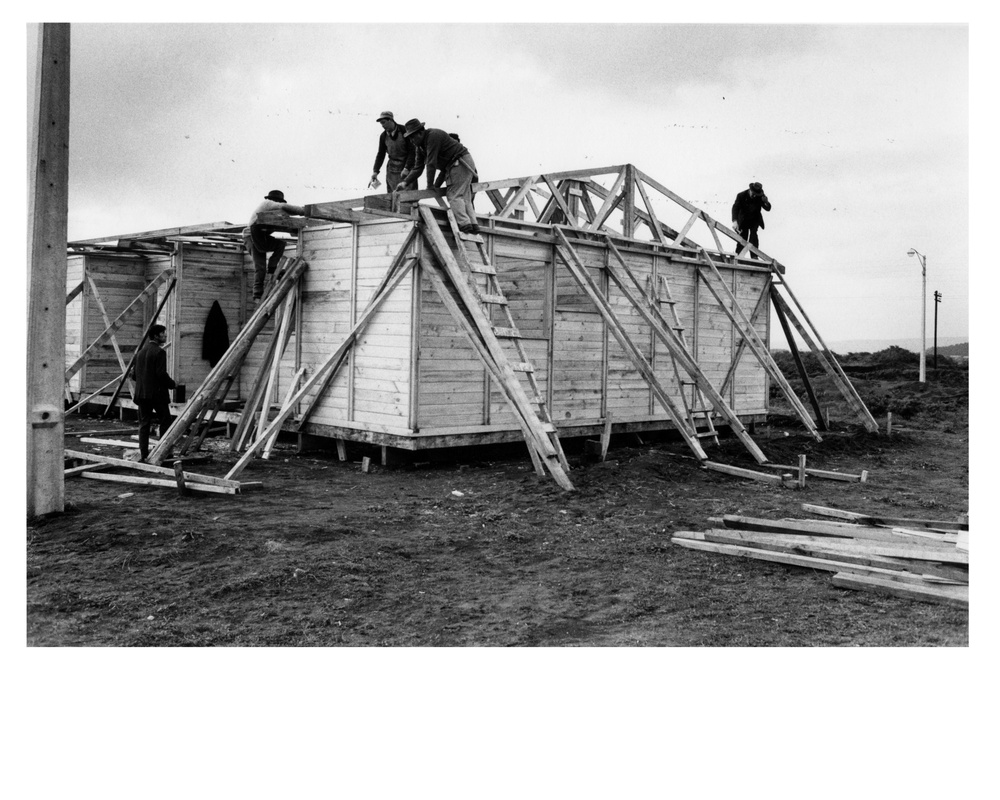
<point>419,361</point>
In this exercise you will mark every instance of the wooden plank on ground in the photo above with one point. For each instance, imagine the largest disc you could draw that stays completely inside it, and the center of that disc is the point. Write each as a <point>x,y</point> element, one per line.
<point>809,527</point>
<point>125,432</point>
<point>825,547</point>
<point>791,559</point>
<point>162,482</point>
<point>110,442</point>
<point>151,468</point>
<point>739,472</point>
<point>823,473</point>
<point>870,519</point>
<point>909,534</point>
<point>957,596</point>
<point>72,472</point>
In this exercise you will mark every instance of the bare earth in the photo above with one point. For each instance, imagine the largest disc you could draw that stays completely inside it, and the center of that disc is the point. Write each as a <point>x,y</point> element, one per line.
<point>475,549</point>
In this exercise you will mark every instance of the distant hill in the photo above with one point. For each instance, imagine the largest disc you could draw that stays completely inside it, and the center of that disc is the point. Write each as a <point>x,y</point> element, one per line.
<point>877,345</point>
<point>952,350</point>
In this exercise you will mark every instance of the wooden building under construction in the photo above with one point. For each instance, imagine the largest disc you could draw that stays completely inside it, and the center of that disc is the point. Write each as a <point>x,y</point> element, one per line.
<point>590,299</point>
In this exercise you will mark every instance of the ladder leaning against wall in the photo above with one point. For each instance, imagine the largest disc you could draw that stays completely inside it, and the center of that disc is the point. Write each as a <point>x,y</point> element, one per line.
<point>477,299</point>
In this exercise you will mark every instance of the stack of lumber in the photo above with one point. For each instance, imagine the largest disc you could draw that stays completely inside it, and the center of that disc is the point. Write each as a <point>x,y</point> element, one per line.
<point>921,559</point>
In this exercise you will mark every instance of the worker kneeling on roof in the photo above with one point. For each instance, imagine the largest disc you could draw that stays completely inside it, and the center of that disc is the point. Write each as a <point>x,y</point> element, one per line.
<point>440,151</point>
<point>259,241</point>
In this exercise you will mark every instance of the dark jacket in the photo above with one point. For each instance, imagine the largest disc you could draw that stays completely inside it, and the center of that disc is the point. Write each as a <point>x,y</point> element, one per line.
<point>399,149</point>
<point>215,339</point>
<point>151,378</point>
<point>747,208</point>
<point>439,151</point>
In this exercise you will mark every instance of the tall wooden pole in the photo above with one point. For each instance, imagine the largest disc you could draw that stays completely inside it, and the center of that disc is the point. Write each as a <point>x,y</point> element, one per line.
<point>937,302</point>
<point>923,313</point>
<point>47,212</point>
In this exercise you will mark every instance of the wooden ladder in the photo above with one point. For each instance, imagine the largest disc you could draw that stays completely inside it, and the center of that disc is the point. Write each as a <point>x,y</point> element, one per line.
<point>703,408</point>
<point>476,282</point>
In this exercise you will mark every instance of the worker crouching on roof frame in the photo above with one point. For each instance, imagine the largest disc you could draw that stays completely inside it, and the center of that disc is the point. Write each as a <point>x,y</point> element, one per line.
<point>439,151</point>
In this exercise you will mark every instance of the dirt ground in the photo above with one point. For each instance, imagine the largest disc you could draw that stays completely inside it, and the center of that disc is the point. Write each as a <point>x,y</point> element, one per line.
<point>475,549</point>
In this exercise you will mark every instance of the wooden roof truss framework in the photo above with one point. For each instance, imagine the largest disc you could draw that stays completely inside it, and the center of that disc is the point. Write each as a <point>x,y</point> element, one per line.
<point>631,204</point>
<point>211,234</point>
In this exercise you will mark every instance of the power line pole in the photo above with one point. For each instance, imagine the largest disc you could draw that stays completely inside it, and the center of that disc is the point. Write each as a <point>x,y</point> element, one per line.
<point>47,213</point>
<point>937,302</point>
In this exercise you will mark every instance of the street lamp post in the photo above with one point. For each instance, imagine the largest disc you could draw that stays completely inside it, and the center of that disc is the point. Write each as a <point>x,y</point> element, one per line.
<point>923,314</point>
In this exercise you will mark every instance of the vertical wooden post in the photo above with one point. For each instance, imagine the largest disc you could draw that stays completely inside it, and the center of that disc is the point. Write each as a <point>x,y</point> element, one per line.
<point>47,213</point>
<point>628,203</point>
<point>802,472</point>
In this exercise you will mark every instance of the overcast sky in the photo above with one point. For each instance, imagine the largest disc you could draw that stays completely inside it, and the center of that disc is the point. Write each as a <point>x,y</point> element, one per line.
<point>859,133</point>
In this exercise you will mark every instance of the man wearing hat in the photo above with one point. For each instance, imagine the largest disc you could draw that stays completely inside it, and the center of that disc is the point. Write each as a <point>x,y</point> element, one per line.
<point>747,217</point>
<point>394,144</point>
<point>257,239</point>
<point>440,151</point>
<point>152,383</point>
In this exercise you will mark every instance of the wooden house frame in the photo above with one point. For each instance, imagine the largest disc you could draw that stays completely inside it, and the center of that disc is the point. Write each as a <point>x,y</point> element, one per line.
<point>118,285</point>
<point>592,300</point>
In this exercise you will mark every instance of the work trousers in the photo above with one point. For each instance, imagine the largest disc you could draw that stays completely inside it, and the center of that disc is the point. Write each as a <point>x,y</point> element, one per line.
<point>458,189</point>
<point>392,176</point>
<point>150,411</point>
<point>750,234</point>
<point>260,244</point>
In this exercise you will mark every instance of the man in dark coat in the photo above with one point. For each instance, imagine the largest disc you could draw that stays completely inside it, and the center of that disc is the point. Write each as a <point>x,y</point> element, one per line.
<point>440,152</point>
<point>151,387</point>
<point>747,216</point>
<point>399,149</point>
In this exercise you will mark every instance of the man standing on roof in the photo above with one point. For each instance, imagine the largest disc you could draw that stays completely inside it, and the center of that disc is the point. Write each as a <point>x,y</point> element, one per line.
<point>439,151</point>
<point>151,387</point>
<point>747,217</point>
<point>259,242</point>
<point>392,143</point>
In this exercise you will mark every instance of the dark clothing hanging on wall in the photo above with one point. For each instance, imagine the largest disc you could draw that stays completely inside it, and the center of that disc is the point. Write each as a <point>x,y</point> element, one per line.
<point>215,341</point>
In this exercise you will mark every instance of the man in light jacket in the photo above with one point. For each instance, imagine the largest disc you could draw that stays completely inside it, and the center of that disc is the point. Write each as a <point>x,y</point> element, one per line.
<point>259,242</point>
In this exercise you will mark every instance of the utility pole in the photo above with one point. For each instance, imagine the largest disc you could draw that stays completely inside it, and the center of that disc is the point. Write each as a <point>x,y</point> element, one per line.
<point>937,301</point>
<point>923,314</point>
<point>47,213</point>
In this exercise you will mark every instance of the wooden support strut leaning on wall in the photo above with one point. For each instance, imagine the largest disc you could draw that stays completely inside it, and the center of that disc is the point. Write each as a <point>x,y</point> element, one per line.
<point>320,377</point>
<point>237,350</point>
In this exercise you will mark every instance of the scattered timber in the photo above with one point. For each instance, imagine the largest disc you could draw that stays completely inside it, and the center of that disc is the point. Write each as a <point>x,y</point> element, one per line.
<point>170,483</point>
<point>868,519</point>
<point>740,472</point>
<point>930,567</point>
<point>151,468</point>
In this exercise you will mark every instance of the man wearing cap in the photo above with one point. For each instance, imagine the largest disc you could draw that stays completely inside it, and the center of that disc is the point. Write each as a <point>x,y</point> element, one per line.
<point>747,217</point>
<point>439,151</point>
<point>257,239</point>
<point>394,144</point>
